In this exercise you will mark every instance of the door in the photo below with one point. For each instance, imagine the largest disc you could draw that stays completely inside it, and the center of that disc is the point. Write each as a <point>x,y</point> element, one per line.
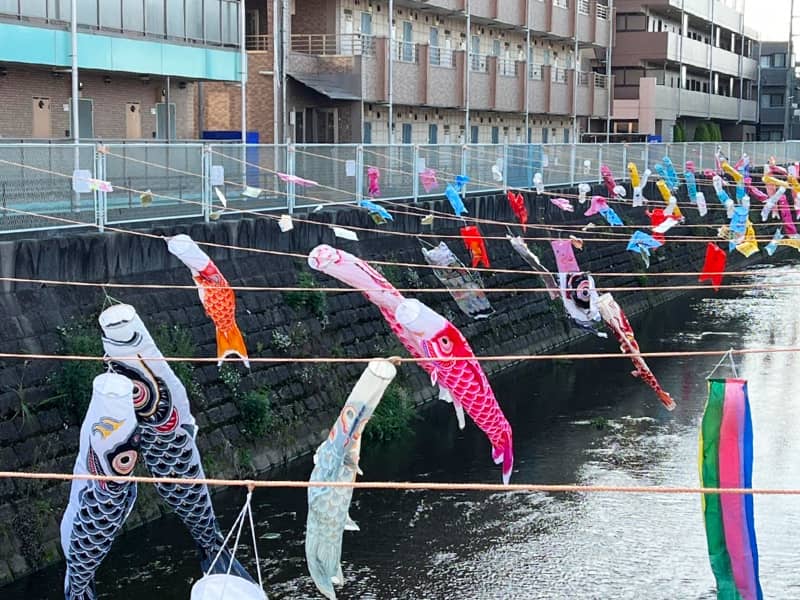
<point>366,32</point>
<point>347,31</point>
<point>41,118</point>
<point>252,24</point>
<point>433,50</point>
<point>475,52</point>
<point>408,46</point>
<point>495,135</point>
<point>474,134</point>
<point>133,121</point>
<point>326,126</point>
<point>161,121</point>
<point>86,116</point>
<point>433,134</point>
<point>406,133</point>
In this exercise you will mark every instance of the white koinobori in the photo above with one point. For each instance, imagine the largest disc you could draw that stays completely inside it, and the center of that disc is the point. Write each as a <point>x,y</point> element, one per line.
<point>167,428</point>
<point>109,441</point>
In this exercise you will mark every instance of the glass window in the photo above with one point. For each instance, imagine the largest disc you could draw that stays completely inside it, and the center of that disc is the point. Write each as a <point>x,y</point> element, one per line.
<point>779,60</point>
<point>132,15</point>
<point>175,26</point>
<point>545,134</point>
<point>433,134</point>
<point>87,12</point>
<point>474,134</point>
<point>566,135</point>
<point>367,132</point>
<point>495,135</point>
<point>110,15</point>
<point>154,10</point>
<point>194,20</point>
<point>406,133</point>
<point>230,23</point>
<point>28,8</point>
<point>212,21</point>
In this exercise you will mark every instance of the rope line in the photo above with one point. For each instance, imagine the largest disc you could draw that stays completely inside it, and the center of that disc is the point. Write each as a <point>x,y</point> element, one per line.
<point>406,485</point>
<point>350,360</point>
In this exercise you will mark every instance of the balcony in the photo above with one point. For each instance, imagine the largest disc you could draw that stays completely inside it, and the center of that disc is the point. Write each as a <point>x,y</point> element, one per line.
<point>720,14</point>
<point>207,22</point>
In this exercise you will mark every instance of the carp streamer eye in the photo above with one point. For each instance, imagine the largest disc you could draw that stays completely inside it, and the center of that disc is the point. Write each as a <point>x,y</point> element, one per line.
<point>445,344</point>
<point>141,395</point>
<point>124,463</point>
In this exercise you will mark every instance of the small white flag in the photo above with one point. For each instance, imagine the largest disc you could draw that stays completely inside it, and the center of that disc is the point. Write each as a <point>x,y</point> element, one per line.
<point>252,192</point>
<point>223,200</point>
<point>665,226</point>
<point>285,223</point>
<point>350,168</point>
<point>81,181</point>
<point>345,234</point>
<point>217,175</point>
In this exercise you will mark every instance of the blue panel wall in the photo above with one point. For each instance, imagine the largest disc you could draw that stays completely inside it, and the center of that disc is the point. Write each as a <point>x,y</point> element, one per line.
<point>42,46</point>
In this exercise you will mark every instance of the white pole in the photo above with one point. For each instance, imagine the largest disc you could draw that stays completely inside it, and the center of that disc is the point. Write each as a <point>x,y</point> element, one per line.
<point>275,74</point>
<point>789,63</point>
<point>391,71</point>
<point>466,75</point>
<point>243,82</point>
<point>76,138</point>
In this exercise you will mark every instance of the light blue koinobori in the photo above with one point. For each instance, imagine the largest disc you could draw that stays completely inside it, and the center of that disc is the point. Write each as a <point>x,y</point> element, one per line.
<point>43,46</point>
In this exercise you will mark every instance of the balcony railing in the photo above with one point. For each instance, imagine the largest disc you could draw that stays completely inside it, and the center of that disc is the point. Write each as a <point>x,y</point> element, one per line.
<point>507,67</point>
<point>602,12</point>
<point>321,44</point>
<point>600,81</point>
<point>406,52</point>
<point>561,3</point>
<point>583,78</point>
<point>558,75</point>
<point>209,22</point>
<point>535,71</point>
<point>441,57</point>
<point>584,7</point>
<point>479,63</point>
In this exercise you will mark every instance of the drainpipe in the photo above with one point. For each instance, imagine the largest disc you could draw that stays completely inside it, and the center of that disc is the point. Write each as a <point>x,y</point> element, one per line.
<point>391,71</point>
<point>711,63</point>
<point>167,97</point>
<point>243,82</point>
<point>76,137</point>
<point>285,46</point>
<point>466,75</point>
<point>275,74</point>
<point>575,79</point>
<point>684,22</point>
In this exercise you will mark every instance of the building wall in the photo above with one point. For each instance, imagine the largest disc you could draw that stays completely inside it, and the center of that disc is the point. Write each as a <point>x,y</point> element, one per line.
<point>22,84</point>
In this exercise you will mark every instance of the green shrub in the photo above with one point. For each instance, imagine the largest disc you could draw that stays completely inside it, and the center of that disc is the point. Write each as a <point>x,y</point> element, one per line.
<point>175,341</point>
<point>314,300</point>
<point>678,134</point>
<point>73,379</point>
<point>701,134</point>
<point>393,416</point>
<point>256,410</point>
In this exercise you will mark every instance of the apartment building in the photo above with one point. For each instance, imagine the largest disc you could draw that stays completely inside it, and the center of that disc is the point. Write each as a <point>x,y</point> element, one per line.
<point>139,64</point>
<point>432,72</point>
<point>683,62</point>
<point>777,73</point>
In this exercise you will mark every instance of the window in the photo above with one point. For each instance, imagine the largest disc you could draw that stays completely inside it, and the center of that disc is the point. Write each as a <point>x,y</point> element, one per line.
<point>495,135</point>
<point>473,134</point>
<point>566,135</point>
<point>367,132</point>
<point>775,136</point>
<point>779,61</point>
<point>635,22</point>
<point>545,134</point>
<point>406,133</point>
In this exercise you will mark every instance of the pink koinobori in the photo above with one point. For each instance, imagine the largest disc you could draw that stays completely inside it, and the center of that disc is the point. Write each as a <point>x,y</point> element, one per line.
<point>456,369</point>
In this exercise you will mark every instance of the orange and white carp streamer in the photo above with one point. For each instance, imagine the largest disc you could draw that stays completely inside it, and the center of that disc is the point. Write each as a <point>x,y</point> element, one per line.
<point>216,295</point>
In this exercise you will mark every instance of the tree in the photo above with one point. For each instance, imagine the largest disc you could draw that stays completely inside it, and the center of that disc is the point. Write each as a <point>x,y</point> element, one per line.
<point>678,134</point>
<point>701,133</point>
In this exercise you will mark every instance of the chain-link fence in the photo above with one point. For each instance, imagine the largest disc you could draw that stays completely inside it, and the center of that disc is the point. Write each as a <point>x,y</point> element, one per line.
<point>44,185</point>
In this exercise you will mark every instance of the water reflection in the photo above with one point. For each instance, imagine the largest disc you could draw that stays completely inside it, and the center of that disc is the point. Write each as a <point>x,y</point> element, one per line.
<point>574,422</point>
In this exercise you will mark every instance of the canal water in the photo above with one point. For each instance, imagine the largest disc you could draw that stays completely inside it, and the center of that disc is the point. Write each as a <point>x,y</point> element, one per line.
<point>585,422</point>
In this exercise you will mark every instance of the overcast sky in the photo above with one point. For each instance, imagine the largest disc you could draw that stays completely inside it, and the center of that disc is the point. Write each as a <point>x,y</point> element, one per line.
<point>770,18</point>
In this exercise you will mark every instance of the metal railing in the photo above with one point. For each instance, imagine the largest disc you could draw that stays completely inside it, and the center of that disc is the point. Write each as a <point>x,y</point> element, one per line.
<point>584,6</point>
<point>406,52</point>
<point>479,62</point>
<point>158,181</point>
<point>507,67</point>
<point>602,12</point>
<point>558,75</point>
<point>583,78</point>
<point>600,80</point>
<point>441,57</point>
<point>323,44</point>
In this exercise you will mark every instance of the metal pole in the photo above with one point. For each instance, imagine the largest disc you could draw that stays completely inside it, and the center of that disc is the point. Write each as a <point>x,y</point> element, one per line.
<point>527,69</point>
<point>391,71</point>
<point>467,68</point>
<point>167,98</point>
<point>275,75</point>
<point>609,86</point>
<point>76,124</point>
<point>243,82</point>
<point>285,45</point>
<point>789,73</point>
<point>575,75</point>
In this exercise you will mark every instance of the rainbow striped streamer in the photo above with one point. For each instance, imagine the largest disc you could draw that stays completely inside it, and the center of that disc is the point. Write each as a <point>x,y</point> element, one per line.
<point>726,461</point>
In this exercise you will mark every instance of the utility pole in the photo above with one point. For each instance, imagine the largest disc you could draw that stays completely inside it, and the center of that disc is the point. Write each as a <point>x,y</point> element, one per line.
<point>787,115</point>
<point>391,71</point>
<point>76,136</point>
